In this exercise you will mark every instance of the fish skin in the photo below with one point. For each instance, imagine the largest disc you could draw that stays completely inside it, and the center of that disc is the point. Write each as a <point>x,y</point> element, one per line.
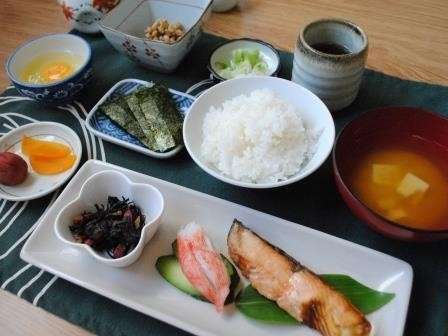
<point>202,265</point>
<point>296,289</point>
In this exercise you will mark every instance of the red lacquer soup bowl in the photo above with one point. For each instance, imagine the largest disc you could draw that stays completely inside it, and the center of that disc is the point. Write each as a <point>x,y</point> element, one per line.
<point>425,131</point>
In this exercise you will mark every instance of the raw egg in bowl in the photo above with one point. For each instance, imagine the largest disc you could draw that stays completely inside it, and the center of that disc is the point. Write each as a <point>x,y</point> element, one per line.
<point>52,69</point>
<point>390,169</point>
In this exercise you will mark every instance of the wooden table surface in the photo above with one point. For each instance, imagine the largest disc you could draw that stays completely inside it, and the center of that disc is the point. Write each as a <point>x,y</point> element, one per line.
<point>408,39</point>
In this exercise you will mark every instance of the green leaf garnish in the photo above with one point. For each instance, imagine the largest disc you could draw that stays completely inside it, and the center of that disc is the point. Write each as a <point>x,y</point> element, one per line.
<point>364,298</point>
<point>255,306</point>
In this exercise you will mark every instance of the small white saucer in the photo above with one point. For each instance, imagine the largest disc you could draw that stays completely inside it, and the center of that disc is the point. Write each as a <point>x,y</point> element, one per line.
<point>37,185</point>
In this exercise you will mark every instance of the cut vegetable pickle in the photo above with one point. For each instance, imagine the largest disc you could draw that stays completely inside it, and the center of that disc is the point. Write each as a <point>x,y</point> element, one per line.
<point>385,174</point>
<point>43,148</point>
<point>46,166</point>
<point>411,185</point>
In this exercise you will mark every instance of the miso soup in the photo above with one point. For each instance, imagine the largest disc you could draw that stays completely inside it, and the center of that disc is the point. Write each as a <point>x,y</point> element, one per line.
<point>403,186</point>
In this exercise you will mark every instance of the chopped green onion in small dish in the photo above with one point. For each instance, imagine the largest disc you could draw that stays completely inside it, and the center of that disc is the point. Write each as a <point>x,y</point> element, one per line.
<point>242,58</point>
<point>244,62</point>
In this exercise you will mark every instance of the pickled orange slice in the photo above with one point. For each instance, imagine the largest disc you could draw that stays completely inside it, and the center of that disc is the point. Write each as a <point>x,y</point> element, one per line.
<point>46,166</point>
<point>43,148</point>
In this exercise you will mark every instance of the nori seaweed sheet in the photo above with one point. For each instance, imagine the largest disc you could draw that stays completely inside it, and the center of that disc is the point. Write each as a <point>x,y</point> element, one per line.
<point>161,115</point>
<point>159,99</point>
<point>119,112</point>
<point>152,110</point>
<point>162,136</point>
<point>134,106</point>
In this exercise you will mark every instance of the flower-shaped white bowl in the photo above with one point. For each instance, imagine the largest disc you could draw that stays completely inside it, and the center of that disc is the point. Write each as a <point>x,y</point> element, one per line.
<point>95,191</point>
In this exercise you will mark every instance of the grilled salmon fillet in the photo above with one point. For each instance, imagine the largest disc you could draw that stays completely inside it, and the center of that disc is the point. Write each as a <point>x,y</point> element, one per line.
<point>296,289</point>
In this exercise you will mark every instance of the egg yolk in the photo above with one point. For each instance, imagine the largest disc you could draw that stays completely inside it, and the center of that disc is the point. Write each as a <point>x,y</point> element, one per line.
<point>50,67</point>
<point>55,72</point>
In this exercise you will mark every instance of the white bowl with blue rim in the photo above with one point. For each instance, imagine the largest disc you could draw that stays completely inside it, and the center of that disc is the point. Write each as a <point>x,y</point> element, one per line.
<point>59,92</point>
<point>124,28</point>
<point>103,127</point>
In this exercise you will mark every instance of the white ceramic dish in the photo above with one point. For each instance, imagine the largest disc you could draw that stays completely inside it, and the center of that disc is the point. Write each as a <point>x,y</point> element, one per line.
<point>124,28</point>
<point>314,113</point>
<point>142,288</point>
<point>109,132</point>
<point>223,5</point>
<point>224,53</point>
<point>37,185</point>
<point>84,15</point>
<point>95,190</point>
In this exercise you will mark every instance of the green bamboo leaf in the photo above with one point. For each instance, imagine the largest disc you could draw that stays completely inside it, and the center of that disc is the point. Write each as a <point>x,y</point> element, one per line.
<point>364,298</point>
<point>255,306</point>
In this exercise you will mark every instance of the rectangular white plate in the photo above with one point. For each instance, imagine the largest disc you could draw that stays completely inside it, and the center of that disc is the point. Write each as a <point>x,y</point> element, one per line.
<point>141,287</point>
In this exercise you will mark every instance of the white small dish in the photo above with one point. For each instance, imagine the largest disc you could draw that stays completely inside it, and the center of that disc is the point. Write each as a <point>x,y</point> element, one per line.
<point>224,53</point>
<point>107,130</point>
<point>37,185</point>
<point>95,190</point>
<point>124,28</point>
<point>141,287</point>
<point>220,6</point>
<point>313,111</point>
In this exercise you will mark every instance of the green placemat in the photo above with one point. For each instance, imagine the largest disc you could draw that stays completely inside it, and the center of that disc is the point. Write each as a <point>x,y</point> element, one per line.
<point>313,202</point>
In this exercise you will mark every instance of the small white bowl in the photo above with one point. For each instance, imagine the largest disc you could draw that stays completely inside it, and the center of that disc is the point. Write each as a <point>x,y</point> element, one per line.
<point>313,111</point>
<point>95,190</point>
<point>59,92</point>
<point>224,53</point>
<point>220,6</point>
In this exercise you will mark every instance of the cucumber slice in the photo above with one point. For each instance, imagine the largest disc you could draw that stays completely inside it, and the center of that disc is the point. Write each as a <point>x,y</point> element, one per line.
<point>169,268</point>
<point>234,279</point>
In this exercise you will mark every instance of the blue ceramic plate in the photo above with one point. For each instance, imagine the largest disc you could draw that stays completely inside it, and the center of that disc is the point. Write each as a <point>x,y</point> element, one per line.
<point>103,127</point>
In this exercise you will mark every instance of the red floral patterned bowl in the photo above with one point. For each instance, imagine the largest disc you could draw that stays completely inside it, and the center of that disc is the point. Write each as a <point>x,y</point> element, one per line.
<point>387,125</point>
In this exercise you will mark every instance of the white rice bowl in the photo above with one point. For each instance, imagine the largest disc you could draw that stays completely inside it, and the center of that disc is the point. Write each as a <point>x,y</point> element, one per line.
<point>257,138</point>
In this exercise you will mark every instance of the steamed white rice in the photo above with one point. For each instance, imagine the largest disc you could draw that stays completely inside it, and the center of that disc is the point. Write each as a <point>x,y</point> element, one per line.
<point>256,138</point>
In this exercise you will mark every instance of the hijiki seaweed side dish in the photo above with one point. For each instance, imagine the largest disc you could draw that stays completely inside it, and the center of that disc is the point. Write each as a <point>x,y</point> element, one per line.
<point>115,228</point>
<point>149,115</point>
